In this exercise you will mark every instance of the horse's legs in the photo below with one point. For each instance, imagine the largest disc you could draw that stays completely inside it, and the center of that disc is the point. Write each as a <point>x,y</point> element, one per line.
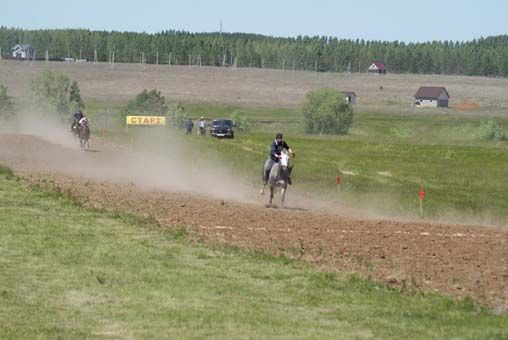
<point>282,196</point>
<point>262,191</point>
<point>271,194</point>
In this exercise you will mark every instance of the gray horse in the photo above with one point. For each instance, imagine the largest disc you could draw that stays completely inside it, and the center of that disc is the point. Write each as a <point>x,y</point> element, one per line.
<point>279,177</point>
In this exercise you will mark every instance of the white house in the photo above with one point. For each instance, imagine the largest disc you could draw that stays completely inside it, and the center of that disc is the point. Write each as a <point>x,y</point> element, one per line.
<point>22,51</point>
<point>431,96</point>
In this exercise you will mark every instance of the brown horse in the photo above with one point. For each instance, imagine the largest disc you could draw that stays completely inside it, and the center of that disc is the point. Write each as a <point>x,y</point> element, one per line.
<point>84,136</point>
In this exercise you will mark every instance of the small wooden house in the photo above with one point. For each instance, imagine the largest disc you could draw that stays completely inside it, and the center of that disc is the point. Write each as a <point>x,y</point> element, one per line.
<point>350,97</point>
<point>376,68</point>
<point>431,96</point>
<point>22,51</point>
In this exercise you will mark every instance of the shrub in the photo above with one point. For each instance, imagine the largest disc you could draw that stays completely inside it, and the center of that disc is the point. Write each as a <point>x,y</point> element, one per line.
<point>176,115</point>
<point>146,103</point>
<point>75,97</point>
<point>53,88</point>
<point>6,103</point>
<point>326,111</point>
<point>240,122</point>
<point>490,130</point>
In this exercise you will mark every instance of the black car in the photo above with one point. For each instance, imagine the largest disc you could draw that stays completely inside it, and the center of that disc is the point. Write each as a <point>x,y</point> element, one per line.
<point>222,128</point>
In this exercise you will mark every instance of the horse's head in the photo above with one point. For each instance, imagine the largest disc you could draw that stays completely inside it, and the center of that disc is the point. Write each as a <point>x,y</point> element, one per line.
<point>284,160</point>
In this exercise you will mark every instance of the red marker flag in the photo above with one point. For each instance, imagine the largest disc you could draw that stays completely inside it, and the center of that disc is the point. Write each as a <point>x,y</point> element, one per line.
<point>422,194</point>
<point>337,180</point>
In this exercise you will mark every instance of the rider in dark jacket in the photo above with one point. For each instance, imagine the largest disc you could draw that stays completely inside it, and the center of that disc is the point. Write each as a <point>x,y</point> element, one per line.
<point>276,148</point>
<point>76,117</point>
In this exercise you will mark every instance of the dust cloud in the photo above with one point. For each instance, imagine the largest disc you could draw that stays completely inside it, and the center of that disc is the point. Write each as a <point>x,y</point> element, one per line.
<point>152,159</point>
<point>164,160</point>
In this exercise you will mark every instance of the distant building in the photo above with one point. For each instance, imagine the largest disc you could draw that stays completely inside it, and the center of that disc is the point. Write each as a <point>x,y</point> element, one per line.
<point>376,68</point>
<point>22,51</point>
<point>431,96</point>
<point>350,97</point>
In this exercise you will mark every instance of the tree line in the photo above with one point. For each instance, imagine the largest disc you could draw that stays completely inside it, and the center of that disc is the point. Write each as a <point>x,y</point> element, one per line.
<point>483,56</point>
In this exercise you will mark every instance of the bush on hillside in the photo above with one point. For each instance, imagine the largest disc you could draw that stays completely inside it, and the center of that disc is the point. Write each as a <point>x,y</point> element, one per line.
<point>54,89</point>
<point>490,130</point>
<point>326,111</point>
<point>146,103</point>
<point>176,115</point>
<point>6,103</point>
<point>75,97</point>
<point>241,123</point>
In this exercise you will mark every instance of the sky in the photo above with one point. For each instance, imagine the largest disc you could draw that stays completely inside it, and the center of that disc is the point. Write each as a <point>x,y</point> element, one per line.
<point>388,20</point>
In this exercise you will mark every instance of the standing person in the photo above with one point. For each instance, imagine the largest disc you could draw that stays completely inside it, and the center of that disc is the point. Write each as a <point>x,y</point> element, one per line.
<point>188,126</point>
<point>276,148</point>
<point>202,126</point>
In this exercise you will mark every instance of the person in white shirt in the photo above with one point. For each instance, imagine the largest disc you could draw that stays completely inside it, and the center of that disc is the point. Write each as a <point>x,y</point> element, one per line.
<point>202,126</point>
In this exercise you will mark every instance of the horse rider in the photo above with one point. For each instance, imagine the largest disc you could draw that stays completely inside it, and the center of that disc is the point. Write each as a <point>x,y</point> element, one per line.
<point>276,148</point>
<point>76,117</point>
<point>202,126</point>
<point>188,126</point>
<point>83,121</point>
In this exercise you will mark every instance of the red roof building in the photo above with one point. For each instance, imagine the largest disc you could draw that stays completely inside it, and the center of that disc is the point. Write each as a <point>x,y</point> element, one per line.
<point>377,68</point>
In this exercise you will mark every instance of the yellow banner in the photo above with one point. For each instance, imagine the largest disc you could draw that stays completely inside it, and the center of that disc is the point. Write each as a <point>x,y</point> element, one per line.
<point>145,120</point>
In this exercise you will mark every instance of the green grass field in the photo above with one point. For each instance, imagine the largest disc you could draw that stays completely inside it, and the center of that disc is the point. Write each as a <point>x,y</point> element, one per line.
<point>70,272</point>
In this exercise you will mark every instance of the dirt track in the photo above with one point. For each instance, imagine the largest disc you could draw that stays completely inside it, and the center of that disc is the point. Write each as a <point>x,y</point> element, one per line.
<point>454,259</point>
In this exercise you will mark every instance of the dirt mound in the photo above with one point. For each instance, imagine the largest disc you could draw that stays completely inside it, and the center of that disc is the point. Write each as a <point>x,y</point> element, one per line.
<point>467,106</point>
<point>454,259</point>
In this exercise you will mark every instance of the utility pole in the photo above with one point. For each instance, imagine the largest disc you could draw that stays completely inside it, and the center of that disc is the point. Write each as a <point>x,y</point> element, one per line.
<point>95,57</point>
<point>113,59</point>
<point>169,60</point>
<point>47,56</point>
<point>157,57</point>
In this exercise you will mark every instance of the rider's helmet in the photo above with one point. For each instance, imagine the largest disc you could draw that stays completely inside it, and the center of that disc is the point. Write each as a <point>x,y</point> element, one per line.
<point>278,135</point>
<point>202,118</point>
